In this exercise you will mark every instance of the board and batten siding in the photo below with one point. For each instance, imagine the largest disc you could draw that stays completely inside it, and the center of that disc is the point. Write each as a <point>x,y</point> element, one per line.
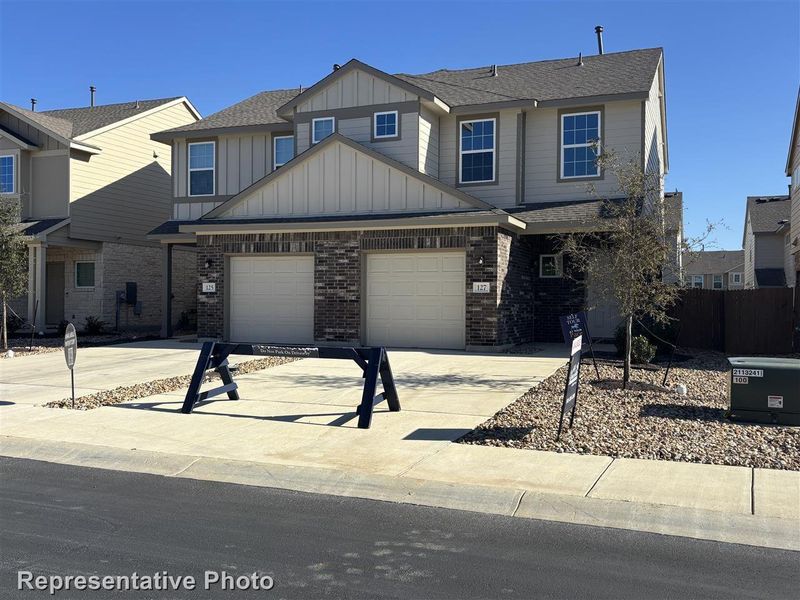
<point>355,88</point>
<point>428,142</point>
<point>340,180</point>
<point>502,193</point>
<point>405,149</point>
<point>38,137</point>
<point>653,135</point>
<point>50,185</point>
<point>124,192</point>
<point>622,129</point>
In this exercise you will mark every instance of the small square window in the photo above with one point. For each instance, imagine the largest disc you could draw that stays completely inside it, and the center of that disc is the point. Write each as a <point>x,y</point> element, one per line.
<point>322,128</point>
<point>84,274</point>
<point>385,124</point>
<point>735,278</point>
<point>550,265</point>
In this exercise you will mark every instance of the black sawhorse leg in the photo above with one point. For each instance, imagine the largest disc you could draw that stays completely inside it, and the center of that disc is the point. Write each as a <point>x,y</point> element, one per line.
<point>210,358</point>
<point>377,366</point>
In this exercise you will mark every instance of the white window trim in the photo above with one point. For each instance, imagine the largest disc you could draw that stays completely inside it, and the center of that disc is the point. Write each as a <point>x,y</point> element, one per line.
<point>559,264</point>
<point>735,278</point>
<point>714,280</point>
<point>313,132</point>
<point>493,150</point>
<point>584,145</point>
<point>375,125</point>
<point>13,158</point>
<point>213,168</point>
<point>275,164</point>
<point>697,279</point>
<point>85,262</point>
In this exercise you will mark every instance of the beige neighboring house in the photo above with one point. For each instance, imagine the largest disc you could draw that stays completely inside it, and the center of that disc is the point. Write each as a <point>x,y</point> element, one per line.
<point>793,171</point>
<point>411,210</point>
<point>714,269</point>
<point>766,241</point>
<point>91,184</point>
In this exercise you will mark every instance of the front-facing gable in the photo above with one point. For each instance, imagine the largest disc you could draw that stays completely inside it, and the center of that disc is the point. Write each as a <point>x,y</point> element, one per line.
<point>341,177</point>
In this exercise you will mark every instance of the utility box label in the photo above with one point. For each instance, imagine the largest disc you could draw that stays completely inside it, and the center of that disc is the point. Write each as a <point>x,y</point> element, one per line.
<point>481,287</point>
<point>775,401</point>
<point>209,286</point>
<point>749,372</point>
<point>740,379</point>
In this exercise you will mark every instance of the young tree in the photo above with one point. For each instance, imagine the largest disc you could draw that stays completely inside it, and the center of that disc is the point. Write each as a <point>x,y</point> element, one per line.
<point>624,253</point>
<point>13,266</point>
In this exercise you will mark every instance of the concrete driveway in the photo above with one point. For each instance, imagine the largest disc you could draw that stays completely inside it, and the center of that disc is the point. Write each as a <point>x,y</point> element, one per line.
<point>300,413</point>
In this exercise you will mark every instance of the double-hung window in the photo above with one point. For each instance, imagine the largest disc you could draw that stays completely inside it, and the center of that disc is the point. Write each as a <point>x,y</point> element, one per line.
<point>716,283</point>
<point>7,182</point>
<point>201,168</point>
<point>580,144</point>
<point>477,150</point>
<point>282,150</point>
<point>322,128</point>
<point>734,279</point>
<point>697,281</point>
<point>384,125</point>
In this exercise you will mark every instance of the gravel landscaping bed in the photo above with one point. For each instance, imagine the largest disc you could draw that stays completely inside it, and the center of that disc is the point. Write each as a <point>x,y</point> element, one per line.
<point>43,345</point>
<point>645,421</point>
<point>128,393</point>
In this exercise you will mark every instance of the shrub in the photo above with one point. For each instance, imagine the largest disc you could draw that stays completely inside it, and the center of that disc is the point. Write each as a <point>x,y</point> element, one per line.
<point>94,325</point>
<point>642,351</point>
<point>62,327</point>
<point>14,322</point>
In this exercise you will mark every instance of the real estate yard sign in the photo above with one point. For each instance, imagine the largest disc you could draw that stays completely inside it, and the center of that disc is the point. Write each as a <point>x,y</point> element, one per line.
<point>576,324</point>
<point>70,353</point>
<point>571,387</point>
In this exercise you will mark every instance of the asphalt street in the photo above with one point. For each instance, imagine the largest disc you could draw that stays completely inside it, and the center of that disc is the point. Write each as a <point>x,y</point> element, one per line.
<point>58,520</point>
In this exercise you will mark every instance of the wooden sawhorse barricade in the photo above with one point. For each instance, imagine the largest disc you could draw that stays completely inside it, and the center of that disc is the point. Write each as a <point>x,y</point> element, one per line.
<point>374,363</point>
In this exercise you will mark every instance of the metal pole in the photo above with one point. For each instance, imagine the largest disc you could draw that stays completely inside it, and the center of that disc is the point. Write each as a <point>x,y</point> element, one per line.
<point>72,379</point>
<point>33,323</point>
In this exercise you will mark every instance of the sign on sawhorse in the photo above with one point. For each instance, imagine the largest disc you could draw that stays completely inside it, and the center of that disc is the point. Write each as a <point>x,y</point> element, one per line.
<point>374,364</point>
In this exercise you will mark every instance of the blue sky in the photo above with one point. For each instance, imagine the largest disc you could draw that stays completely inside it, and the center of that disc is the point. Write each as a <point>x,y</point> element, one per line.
<point>732,68</point>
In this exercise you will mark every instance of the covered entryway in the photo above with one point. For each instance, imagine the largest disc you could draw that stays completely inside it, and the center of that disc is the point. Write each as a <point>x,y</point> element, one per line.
<point>272,299</point>
<point>603,315</point>
<point>416,300</point>
<point>54,285</point>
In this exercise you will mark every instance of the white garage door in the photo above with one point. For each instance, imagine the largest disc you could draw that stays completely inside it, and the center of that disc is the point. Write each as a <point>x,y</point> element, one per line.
<point>272,299</point>
<point>416,300</point>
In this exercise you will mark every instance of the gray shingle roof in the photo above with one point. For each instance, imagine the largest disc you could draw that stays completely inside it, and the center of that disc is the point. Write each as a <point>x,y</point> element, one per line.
<point>35,227</point>
<point>600,75</point>
<point>575,212</point>
<point>607,74</point>
<point>767,211</point>
<point>73,122</point>
<point>256,110</point>
<point>710,262</point>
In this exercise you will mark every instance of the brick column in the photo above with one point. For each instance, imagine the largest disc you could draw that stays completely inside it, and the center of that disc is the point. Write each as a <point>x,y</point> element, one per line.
<point>210,305</point>
<point>337,288</point>
<point>481,317</point>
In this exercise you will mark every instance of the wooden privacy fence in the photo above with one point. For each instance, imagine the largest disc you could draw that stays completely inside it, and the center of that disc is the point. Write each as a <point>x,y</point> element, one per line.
<point>737,321</point>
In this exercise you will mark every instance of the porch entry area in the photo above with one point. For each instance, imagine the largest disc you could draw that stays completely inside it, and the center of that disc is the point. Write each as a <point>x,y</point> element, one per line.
<point>54,294</point>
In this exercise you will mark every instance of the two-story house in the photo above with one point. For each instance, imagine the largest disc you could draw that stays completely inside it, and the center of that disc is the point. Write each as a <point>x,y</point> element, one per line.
<point>91,184</point>
<point>766,241</point>
<point>793,171</point>
<point>714,269</point>
<point>409,210</point>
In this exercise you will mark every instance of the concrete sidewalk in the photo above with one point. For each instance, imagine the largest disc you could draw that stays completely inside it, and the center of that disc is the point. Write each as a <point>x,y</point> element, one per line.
<point>295,427</point>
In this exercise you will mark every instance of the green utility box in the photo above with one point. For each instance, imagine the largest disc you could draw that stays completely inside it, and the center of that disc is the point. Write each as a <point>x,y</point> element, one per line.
<point>766,390</point>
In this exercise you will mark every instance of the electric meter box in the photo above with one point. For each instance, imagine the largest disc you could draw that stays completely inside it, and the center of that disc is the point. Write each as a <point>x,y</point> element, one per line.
<point>766,390</point>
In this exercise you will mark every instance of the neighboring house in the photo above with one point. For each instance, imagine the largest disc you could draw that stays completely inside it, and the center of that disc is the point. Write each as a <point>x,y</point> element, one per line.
<point>714,269</point>
<point>793,171</point>
<point>91,183</point>
<point>766,241</point>
<point>410,210</point>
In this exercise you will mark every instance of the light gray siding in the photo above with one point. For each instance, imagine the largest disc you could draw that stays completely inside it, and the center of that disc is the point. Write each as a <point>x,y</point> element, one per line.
<point>622,130</point>
<point>405,149</point>
<point>502,193</point>
<point>302,137</point>
<point>50,185</point>
<point>341,180</point>
<point>428,142</point>
<point>41,139</point>
<point>769,251</point>
<point>749,255</point>
<point>355,88</point>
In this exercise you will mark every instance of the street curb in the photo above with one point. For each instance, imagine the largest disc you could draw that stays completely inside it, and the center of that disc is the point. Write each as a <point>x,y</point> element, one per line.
<point>750,530</point>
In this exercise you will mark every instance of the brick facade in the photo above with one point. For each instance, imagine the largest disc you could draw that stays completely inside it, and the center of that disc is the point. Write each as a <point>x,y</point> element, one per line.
<point>515,285</point>
<point>338,277</point>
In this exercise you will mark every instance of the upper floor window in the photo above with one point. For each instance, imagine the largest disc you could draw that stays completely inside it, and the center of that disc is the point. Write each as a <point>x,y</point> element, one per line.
<point>580,144</point>
<point>201,168</point>
<point>7,183</point>
<point>717,282</point>
<point>734,278</point>
<point>322,128</point>
<point>477,151</point>
<point>385,124</point>
<point>697,281</point>
<point>282,150</point>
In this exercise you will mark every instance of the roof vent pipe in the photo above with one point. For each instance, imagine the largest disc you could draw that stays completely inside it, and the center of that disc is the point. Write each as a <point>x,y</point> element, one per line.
<point>580,59</point>
<point>599,31</point>
<point>336,66</point>
<point>33,104</point>
<point>494,70</point>
<point>92,90</point>
<point>137,105</point>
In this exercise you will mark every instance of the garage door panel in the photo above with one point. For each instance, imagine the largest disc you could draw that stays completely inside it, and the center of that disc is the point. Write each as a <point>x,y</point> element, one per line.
<point>272,299</point>
<point>425,306</point>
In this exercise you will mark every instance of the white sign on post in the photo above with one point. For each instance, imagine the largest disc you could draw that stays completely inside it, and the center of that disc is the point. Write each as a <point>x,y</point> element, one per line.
<point>209,286</point>
<point>70,354</point>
